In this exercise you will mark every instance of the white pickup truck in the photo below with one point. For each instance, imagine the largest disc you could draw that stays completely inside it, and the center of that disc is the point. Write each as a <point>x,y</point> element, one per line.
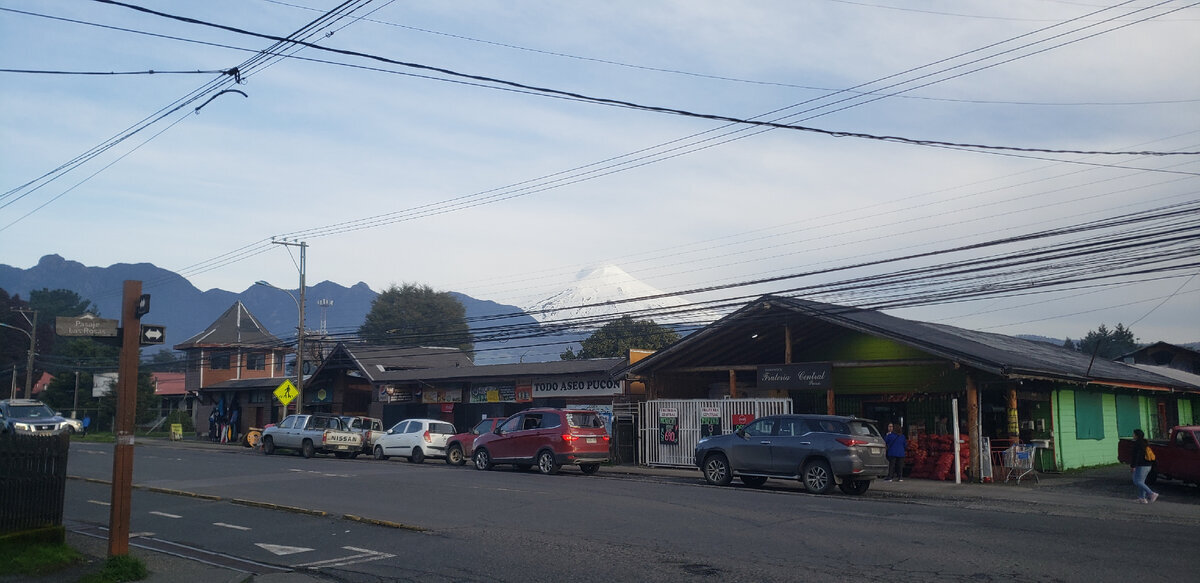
<point>312,434</point>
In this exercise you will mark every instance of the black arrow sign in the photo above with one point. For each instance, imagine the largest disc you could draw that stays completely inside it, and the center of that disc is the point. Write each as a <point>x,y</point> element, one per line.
<point>153,334</point>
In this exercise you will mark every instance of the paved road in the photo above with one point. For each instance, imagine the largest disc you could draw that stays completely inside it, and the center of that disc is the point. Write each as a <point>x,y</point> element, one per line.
<point>628,524</point>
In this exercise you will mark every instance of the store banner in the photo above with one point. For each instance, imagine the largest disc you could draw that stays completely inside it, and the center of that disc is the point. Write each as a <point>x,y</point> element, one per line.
<point>813,375</point>
<point>668,426</point>
<point>710,422</point>
<point>435,396</point>
<point>524,393</point>
<point>493,393</point>
<point>740,421</point>
<point>576,387</point>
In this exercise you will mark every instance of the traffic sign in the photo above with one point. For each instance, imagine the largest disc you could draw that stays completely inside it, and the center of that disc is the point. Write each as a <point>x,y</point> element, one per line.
<point>152,334</point>
<point>286,392</point>
<point>85,325</point>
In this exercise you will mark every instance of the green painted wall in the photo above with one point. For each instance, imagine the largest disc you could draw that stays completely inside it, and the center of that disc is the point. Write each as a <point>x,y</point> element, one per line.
<point>1186,412</point>
<point>1071,452</point>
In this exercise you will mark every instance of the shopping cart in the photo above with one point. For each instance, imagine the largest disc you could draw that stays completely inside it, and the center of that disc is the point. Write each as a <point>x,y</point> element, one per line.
<point>1018,462</point>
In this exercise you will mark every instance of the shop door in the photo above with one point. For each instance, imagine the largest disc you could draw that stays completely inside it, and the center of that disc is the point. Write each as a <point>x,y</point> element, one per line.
<point>884,413</point>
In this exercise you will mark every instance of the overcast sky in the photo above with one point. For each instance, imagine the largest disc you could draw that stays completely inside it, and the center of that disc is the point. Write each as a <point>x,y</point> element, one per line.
<point>393,173</point>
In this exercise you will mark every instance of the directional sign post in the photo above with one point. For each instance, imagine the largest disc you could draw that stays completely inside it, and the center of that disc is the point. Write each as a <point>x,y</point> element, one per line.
<point>152,334</point>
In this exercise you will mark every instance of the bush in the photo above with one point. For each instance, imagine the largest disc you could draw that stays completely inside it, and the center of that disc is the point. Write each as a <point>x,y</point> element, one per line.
<point>182,418</point>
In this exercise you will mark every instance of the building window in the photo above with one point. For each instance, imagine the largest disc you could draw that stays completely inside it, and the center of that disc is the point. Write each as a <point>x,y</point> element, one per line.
<point>1128,415</point>
<point>1089,415</point>
<point>219,361</point>
<point>256,361</point>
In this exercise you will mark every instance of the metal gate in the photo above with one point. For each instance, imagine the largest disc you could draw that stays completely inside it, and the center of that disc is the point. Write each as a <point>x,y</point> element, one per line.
<point>653,452</point>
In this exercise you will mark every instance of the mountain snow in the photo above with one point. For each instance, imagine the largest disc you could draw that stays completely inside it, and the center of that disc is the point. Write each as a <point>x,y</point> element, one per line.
<point>596,297</point>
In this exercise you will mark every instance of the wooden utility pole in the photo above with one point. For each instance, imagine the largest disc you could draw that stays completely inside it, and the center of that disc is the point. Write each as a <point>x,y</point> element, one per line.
<point>127,373</point>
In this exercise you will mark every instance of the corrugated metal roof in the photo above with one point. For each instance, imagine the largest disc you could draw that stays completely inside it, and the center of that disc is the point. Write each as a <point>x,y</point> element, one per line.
<point>244,384</point>
<point>236,327</point>
<point>376,359</point>
<point>726,342</point>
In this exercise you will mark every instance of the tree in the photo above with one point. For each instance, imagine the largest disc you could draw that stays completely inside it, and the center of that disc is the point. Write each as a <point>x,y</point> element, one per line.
<point>1108,344</point>
<point>415,315</point>
<point>1069,344</point>
<point>615,338</point>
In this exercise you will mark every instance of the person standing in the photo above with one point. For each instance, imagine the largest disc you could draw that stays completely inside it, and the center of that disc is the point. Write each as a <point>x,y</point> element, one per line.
<point>1141,468</point>
<point>897,446</point>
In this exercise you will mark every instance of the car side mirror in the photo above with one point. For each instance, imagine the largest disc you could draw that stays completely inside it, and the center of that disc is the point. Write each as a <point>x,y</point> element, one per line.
<point>741,432</point>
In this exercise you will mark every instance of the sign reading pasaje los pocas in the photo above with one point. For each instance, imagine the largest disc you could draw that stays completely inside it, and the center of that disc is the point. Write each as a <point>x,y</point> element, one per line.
<point>576,387</point>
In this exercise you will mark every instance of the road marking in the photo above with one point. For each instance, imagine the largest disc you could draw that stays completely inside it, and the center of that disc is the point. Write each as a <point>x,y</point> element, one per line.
<point>326,474</point>
<point>282,549</point>
<point>233,526</point>
<point>100,502</point>
<point>157,513</point>
<point>364,556</point>
<point>141,534</point>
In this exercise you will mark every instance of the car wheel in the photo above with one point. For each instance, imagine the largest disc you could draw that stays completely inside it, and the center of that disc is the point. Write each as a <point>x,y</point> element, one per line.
<point>855,487</point>
<point>379,453</point>
<point>754,481</point>
<point>417,457</point>
<point>817,477</point>
<point>589,469</point>
<point>307,449</point>
<point>483,461</point>
<point>716,470</point>
<point>268,445</point>
<point>454,456</point>
<point>546,463</point>
<point>1152,476</point>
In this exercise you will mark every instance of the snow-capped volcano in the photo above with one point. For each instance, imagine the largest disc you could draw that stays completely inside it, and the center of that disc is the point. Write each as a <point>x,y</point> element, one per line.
<point>598,293</point>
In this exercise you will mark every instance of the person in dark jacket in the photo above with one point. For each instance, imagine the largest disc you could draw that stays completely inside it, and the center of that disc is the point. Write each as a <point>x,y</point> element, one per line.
<point>1141,468</point>
<point>897,446</point>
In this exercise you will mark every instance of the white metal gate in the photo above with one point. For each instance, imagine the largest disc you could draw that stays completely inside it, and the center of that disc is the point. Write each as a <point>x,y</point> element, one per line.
<point>651,450</point>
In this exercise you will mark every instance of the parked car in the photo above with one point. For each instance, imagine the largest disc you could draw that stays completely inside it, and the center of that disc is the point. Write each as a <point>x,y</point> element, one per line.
<point>370,428</point>
<point>415,438</point>
<point>1177,458</point>
<point>310,435</point>
<point>461,446</point>
<point>549,438</point>
<point>32,417</point>
<point>819,450</point>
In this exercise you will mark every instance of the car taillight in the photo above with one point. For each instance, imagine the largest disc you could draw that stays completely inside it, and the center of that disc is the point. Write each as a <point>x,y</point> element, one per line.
<point>605,438</point>
<point>851,442</point>
<point>568,437</point>
<point>427,439</point>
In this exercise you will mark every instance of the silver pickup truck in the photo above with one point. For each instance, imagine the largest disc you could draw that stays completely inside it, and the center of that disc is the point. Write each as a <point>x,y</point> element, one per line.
<point>312,434</point>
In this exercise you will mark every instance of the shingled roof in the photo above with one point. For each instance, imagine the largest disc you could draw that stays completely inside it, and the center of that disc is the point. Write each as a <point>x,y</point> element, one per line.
<point>236,327</point>
<point>724,342</point>
<point>373,360</point>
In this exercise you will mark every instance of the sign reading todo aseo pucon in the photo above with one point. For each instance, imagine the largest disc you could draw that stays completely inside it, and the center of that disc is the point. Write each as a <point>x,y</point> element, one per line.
<point>576,387</point>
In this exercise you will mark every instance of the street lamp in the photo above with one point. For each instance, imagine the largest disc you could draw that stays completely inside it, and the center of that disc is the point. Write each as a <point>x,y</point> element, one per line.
<point>29,363</point>
<point>299,344</point>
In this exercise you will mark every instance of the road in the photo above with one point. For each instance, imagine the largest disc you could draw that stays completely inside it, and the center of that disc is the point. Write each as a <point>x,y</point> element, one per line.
<point>460,524</point>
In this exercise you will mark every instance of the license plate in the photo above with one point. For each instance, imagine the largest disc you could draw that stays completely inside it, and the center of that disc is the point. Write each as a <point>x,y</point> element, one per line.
<point>591,440</point>
<point>876,450</point>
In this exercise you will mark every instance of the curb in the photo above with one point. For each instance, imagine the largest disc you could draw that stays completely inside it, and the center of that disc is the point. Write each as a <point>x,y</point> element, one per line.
<point>387,523</point>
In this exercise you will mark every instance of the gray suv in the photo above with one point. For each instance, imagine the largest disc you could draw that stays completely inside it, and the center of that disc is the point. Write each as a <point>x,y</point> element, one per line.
<point>31,417</point>
<point>818,450</point>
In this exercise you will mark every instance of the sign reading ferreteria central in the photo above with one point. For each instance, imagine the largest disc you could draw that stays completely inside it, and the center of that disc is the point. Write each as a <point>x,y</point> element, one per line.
<point>813,375</point>
<point>86,325</point>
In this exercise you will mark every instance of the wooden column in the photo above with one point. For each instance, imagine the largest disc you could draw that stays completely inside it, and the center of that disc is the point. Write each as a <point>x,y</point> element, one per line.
<point>1014,425</point>
<point>787,344</point>
<point>829,405</point>
<point>973,427</point>
<point>127,372</point>
<point>733,384</point>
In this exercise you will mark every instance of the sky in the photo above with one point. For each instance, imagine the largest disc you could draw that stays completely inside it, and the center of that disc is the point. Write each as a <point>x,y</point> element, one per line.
<point>499,149</point>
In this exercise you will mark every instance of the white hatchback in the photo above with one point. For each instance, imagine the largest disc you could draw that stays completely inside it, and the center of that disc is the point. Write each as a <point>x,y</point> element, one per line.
<point>416,439</point>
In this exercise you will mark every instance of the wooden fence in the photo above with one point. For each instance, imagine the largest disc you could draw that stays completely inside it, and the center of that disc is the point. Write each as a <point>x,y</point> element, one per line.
<point>33,481</point>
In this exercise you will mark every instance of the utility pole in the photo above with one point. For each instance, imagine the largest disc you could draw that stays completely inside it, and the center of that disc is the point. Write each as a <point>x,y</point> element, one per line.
<point>32,349</point>
<point>300,328</point>
<point>132,310</point>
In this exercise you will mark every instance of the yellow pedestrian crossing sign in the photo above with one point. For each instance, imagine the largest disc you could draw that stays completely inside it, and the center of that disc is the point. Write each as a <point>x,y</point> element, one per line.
<point>286,392</point>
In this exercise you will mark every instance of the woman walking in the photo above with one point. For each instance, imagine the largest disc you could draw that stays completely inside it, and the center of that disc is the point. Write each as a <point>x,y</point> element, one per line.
<point>1141,468</point>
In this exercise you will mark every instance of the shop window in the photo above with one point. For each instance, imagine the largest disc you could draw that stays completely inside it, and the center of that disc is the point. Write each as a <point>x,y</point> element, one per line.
<point>219,361</point>
<point>1089,415</point>
<point>1128,417</point>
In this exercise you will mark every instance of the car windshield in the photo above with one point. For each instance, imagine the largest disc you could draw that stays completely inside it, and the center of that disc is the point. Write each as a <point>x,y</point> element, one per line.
<point>861,428</point>
<point>30,411</point>
<point>584,419</point>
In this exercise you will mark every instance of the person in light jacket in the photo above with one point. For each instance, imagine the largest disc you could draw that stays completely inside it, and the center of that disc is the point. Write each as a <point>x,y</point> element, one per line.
<point>1141,468</point>
<point>897,446</point>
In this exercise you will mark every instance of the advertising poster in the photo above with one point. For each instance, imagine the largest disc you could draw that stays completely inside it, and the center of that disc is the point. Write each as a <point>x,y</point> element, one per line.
<point>710,422</point>
<point>524,393</point>
<point>668,426</point>
<point>740,421</point>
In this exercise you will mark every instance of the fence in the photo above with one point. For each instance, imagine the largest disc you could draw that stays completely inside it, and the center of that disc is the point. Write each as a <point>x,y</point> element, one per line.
<point>660,448</point>
<point>33,481</point>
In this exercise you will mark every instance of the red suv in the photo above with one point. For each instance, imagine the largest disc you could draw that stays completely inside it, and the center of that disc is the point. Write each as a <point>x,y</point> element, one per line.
<point>549,438</point>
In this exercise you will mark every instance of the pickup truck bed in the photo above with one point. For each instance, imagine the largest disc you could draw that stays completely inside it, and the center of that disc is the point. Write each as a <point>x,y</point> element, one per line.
<point>1177,458</point>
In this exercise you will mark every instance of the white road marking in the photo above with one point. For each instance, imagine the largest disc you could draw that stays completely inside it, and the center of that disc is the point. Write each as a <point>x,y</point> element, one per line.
<point>141,534</point>
<point>233,526</point>
<point>157,513</point>
<point>100,502</point>
<point>364,556</point>
<point>281,549</point>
